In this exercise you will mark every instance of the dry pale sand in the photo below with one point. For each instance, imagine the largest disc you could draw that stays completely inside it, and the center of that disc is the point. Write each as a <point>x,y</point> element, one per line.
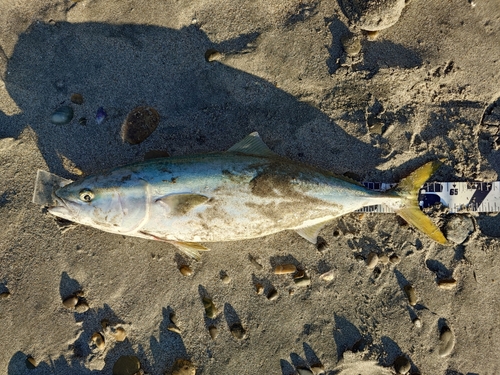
<point>429,84</point>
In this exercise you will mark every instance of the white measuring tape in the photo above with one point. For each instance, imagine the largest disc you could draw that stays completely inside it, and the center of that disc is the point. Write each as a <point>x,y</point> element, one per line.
<point>457,196</point>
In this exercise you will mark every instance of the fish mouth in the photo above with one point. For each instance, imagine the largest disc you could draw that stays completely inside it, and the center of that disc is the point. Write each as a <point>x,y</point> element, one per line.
<point>62,208</point>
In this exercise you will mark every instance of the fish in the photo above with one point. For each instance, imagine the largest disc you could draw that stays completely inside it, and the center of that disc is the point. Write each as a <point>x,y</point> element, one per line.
<point>245,192</point>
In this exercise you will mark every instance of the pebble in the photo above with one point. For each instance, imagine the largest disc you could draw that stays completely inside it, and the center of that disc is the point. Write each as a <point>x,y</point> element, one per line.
<point>4,295</point>
<point>62,115</point>
<point>417,322</point>
<point>327,276</point>
<point>126,365</point>
<point>30,363</point>
<point>402,365</point>
<point>183,367</point>
<point>226,279</point>
<point>394,259</point>
<point>119,334</point>
<point>70,302</point>
<point>173,328</point>
<point>173,318</point>
<point>259,288</point>
<point>272,295</point>
<point>410,293</point>
<point>210,308</point>
<point>447,284</point>
<point>77,98</point>
<point>372,35</point>
<point>458,228</point>
<point>185,270</point>
<point>213,55</point>
<point>373,15</point>
<point>318,369</point>
<point>446,342</point>
<point>383,259</point>
<point>213,332</point>
<point>303,281</point>
<point>140,123</point>
<point>284,269</point>
<point>81,307</point>
<point>100,116</point>
<point>98,340</point>
<point>372,260</point>
<point>351,44</point>
<point>82,121</point>
<point>238,331</point>
<point>304,371</point>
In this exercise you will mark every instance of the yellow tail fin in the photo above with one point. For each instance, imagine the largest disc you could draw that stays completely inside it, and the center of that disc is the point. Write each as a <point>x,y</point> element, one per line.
<point>408,188</point>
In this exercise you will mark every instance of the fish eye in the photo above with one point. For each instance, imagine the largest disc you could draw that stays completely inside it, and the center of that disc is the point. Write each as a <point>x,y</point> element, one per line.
<point>86,195</point>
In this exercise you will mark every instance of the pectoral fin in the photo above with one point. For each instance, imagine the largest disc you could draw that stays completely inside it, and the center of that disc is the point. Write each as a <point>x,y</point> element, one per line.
<point>181,204</point>
<point>252,144</point>
<point>311,233</point>
<point>191,249</point>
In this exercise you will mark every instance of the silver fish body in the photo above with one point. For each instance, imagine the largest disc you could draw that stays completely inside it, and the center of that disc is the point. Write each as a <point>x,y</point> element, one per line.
<point>246,192</point>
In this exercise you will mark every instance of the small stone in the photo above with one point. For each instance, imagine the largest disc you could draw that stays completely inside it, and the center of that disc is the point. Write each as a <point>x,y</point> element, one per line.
<point>70,302</point>
<point>299,274</point>
<point>156,154</point>
<point>226,279</point>
<point>411,294</point>
<point>458,228</point>
<point>4,295</point>
<point>417,322</point>
<point>62,115</point>
<point>210,308</point>
<point>185,270</point>
<point>272,295</point>
<point>304,371</point>
<point>284,269</point>
<point>127,365</point>
<point>173,318</point>
<point>140,123</point>
<point>82,121</point>
<point>100,116</point>
<point>291,292</point>
<point>303,281</point>
<point>81,307</point>
<point>98,340</point>
<point>447,342</point>
<point>372,260</point>
<point>173,328</point>
<point>394,259</point>
<point>30,363</point>
<point>383,259</point>
<point>238,331</point>
<point>119,334</point>
<point>318,369</point>
<point>447,284</point>
<point>77,98</point>
<point>183,367</point>
<point>327,276</point>
<point>213,332</point>
<point>79,293</point>
<point>351,44</point>
<point>402,365</point>
<point>213,55</point>
<point>259,288</point>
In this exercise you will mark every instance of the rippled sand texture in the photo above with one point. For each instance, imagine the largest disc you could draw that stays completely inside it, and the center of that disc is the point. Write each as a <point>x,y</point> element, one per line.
<point>373,88</point>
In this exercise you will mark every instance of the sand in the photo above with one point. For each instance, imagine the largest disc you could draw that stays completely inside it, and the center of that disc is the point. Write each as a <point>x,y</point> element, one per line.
<point>417,91</point>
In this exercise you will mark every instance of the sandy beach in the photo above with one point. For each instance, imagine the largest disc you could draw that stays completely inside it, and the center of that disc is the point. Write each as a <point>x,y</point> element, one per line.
<point>367,89</point>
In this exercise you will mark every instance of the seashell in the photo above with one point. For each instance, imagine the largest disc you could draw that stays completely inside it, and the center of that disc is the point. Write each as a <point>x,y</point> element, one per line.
<point>62,115</point>
<point>140,123</point>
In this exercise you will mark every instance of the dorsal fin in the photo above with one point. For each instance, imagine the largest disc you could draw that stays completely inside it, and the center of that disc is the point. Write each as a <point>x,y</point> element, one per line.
<point>252,144</point>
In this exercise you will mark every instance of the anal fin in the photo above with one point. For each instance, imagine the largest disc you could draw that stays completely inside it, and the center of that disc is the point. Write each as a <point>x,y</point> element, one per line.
<point>311,232</point>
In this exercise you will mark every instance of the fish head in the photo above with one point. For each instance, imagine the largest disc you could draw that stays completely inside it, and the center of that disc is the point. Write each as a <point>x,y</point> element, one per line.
<point>101,203</point>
